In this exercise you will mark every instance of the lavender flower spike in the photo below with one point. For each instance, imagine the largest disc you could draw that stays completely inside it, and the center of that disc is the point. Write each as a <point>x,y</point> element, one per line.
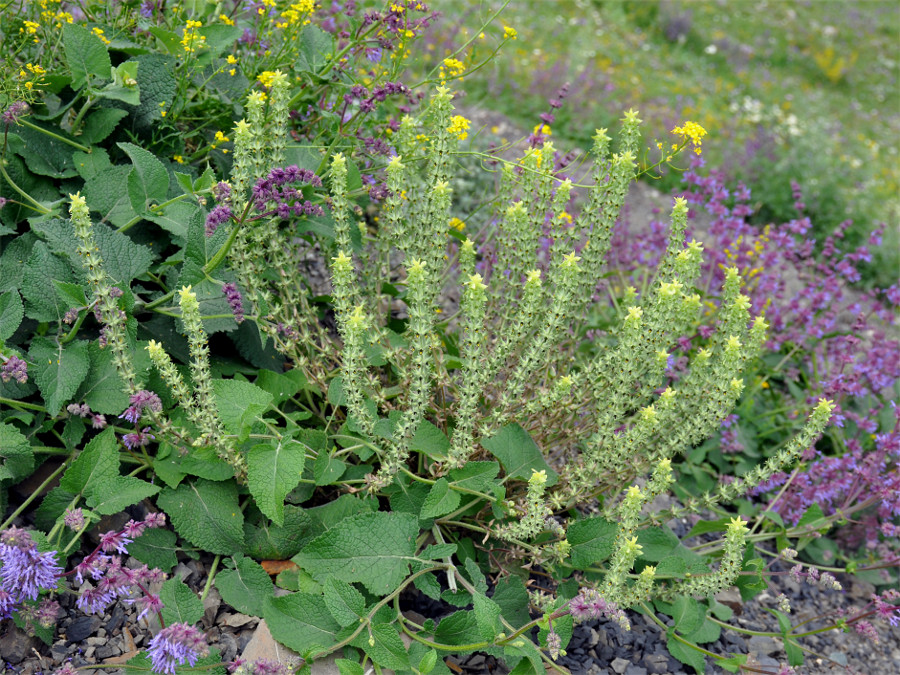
<point>176,645</point>
<point>25,572</point>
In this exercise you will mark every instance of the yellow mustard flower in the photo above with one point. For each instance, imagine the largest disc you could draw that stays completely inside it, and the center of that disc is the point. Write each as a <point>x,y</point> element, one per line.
<point>509,33</point>
<point>693,132</point>
<point>224,18</point>
<point>458,126</point>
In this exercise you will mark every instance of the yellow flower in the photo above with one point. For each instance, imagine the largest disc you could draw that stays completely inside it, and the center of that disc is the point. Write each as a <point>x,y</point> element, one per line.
<point>179,159</point>
<point>537,477</point>
<point>221,138</point>
<point>230,59</point>
<point>509,33</point>
<point>458,126</point>
<point>542,129</point>
<point>457,224</point>
<point>99,33</point>
<point>455,66</point>
<point>31,27</point>
<point>693,132</point>
<point>224,18</point>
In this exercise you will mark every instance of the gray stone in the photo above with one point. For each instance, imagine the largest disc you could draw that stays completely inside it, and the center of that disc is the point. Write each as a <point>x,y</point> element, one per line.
<point>619,665</point>
<point>762,645</point>
<point>657,663</point>
<point>107,651</point>
<point>211,604</point>
<point>235,620</point>
<point>636,670</point>
<point>81,627</point>
<point>15,645</point>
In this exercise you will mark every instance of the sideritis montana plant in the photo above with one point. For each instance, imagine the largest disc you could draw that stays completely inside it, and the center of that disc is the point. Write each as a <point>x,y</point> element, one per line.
<point>435,422</point>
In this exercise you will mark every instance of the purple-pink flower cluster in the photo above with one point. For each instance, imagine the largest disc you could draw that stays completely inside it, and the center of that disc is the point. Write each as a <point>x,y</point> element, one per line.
<point>83,410</point>
<point>276,195</point>
<point>589,604</point>
<point>14,369</point>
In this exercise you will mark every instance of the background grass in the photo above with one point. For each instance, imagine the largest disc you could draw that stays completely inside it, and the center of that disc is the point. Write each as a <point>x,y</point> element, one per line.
<point>787,90</point>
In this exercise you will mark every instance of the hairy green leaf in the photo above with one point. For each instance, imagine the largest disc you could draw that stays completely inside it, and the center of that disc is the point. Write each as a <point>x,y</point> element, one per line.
<point>345,603</point>
<point>180,603</point>
<point>518,453</point>
<point>207,514</point>
<point>11,312</point>
<point>86,55</point>
<point>245,587</point>
<point>370,548</point>
<point>16,456</point>
<point>58,370</point>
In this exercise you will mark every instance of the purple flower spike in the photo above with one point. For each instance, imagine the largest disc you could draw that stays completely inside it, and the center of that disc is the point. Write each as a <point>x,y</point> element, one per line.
<point>25,572</point>
<point>176,645</point>
<point>233,295</point>
<point>219,215</point>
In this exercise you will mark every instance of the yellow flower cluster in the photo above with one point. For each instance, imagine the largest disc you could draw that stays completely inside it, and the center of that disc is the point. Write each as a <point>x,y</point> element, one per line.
<point>297,14</point>
<point>693,132</point>
<point>31,75</point>
<point>509,33</point>
<point>224,18</point>
<point>542,129</point>
<point>99,33</point>
<point>191,38</point>
<point>455,68</point>
<point>457,224</point>
<point>459,126</point>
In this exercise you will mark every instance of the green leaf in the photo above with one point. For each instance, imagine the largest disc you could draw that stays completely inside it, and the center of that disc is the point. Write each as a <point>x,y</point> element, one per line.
<point>315,47</point>
<point>328,468</point>
<point>106,193</point>
<point>239,404</point>
<point>11,313</point>
<point>98,463</point>
<point>103,389</point>
<point>707,632</point>
<point>270,542</point>
<point>123,260</point>
<point>487,616</point>
<point>38,288</point>
<point>436,551</point>
<point>156,82</point>
<point>273,470</point>
<point>511,596</point>
<point>794,652</point>
<point>207,665</point>
<point>148,182</point>
<point>90,164</point>
<point>300,621</point>
<point>687,614</point>
<point>86,55</point>
<point>750,585</point>
<point>207,514</point>
<point>733,664</point>
<point>167,38</point>
<point>345,603</point>
<point>101,124</point>
<point>245,587</point>
<point>685,654</point>
<point>518,453</point>
<point>440,500</point>
<point>58,370</point>
<point>428,662</point>
<point>388,650</point>
<point>178,218</point>
<point>657,543</point>
<point>460,628</point>
<point>592,541</point>
<point>119,493</point>
<point>71,294</point>
<point>812,517</point>
<point>430,441</point>
<point>156,548</point>
<point>279,386</point>
<point>181,605</point>
<point>124,85</point>
<point>219,36</point>
<point>52,507</point>
<point>704,526</point>
<point>346,667</point>
<point>16,455</point>
<point>477,476</point>
<point>370,548</point>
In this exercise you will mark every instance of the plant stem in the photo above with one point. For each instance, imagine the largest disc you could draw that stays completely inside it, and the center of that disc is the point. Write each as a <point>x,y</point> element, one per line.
<point>35,494</point>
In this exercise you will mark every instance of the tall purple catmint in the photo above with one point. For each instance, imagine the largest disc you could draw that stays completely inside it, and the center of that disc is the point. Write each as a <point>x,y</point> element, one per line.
<point>176,645</point>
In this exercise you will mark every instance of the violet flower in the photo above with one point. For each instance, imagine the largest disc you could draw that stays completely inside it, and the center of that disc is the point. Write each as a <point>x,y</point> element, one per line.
<point>176,645</point>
